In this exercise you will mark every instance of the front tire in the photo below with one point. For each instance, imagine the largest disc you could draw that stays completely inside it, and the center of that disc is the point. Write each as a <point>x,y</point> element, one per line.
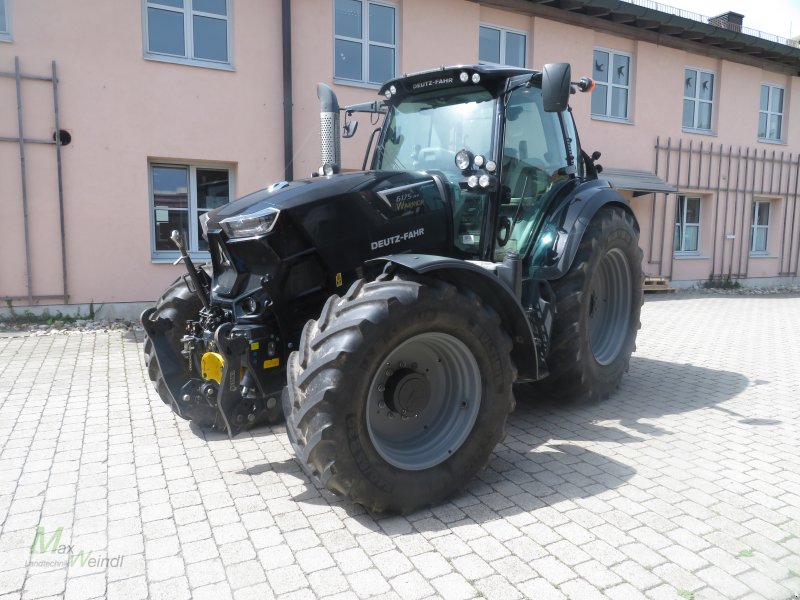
<point>399,392</point>
<point>177,305</point>
<point>598,305</point>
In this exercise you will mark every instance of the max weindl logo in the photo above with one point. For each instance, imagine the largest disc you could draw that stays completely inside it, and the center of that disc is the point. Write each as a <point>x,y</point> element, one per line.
<point>62,554</point>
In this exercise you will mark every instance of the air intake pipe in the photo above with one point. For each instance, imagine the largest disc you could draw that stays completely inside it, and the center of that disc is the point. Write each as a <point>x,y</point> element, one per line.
<point>329,130</point>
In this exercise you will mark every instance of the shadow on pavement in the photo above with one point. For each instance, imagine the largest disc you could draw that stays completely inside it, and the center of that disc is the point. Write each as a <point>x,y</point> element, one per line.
<point>540,462</point>
<point>649,391</point>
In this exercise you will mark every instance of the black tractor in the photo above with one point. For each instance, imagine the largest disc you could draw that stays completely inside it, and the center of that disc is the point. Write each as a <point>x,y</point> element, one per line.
<point>388,312</point>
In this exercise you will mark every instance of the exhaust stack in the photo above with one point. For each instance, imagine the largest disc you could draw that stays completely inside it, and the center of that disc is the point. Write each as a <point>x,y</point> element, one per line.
<point>329,127</point>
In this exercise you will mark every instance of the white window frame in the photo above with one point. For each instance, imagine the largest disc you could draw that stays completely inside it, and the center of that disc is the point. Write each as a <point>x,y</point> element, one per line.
<point>608,116</point>
<point>769,113</point>
<point>365,44</point>
<point>503,49</point>
<point>193,214</point>
<point>754,227</point>
<point>697,100</point>
<point>5,7</point>
<point>188,36</point>
<point>682,224</point>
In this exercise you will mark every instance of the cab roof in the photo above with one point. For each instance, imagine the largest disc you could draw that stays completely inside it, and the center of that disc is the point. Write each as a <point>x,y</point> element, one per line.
<point>489,77</point>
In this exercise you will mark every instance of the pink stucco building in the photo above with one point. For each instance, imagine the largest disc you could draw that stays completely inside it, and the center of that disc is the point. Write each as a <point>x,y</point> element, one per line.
<point>171,107</point>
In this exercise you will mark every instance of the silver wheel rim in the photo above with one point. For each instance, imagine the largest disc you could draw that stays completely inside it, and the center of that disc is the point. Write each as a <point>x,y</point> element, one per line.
<point>610,306</point>
<point>423,401</point>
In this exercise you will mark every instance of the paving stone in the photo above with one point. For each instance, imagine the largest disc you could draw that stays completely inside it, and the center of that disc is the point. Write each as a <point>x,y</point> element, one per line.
<point>722,582</point>
<point>286,579</point>
<point>205,572</point>
<point>679,481</point>
<point>453,587</point>
<point>369,582</point>
<point>411,586</point>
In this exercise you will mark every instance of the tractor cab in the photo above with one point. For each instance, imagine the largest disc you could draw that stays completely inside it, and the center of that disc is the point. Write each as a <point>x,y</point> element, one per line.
<point>486,133</point>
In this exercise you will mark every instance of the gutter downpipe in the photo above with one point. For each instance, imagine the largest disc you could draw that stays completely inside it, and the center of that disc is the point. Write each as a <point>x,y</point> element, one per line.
<point>286,38</point>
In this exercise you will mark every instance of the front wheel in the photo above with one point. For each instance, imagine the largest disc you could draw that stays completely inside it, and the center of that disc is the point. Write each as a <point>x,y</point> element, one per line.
<point>399,392</point>
<point>598,304</point>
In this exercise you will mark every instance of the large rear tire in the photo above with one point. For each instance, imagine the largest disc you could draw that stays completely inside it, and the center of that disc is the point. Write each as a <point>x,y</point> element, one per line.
<point>598,304</point>
<point>399,392</point>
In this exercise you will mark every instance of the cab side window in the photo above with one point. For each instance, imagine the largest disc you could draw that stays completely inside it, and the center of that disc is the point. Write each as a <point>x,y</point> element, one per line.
<point>533,156</point>
<point>532,148</point>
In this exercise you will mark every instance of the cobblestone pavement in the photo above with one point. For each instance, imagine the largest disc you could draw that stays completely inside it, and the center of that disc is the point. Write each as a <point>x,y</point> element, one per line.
<point>685,484</point>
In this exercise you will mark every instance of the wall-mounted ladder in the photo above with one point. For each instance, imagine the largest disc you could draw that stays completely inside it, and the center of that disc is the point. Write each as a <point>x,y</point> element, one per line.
<point>57,142</point>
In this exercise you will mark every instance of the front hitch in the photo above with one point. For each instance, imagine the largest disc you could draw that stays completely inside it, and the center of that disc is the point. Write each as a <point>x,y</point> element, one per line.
<point>241,402</point>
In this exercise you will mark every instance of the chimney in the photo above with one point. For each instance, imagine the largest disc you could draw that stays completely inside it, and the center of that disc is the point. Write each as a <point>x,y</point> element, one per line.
<point>729,20</point>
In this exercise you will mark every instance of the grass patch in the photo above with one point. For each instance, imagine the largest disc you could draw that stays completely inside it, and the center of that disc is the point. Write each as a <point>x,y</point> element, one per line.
<point>745,553</point>
<point>686,594</point>
<point>45,318</point>
<point>721,283</point>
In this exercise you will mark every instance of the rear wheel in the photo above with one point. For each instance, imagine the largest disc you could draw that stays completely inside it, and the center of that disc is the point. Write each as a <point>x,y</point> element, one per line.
<point>598,303</point>
<point>399,392</point>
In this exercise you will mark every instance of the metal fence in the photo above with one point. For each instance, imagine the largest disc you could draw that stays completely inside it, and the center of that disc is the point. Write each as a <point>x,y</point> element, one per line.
<point>687,14</point>
<point>733,178</point>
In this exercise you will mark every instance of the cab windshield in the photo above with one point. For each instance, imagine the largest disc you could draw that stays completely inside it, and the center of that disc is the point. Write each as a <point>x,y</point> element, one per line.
<point>425,131</point>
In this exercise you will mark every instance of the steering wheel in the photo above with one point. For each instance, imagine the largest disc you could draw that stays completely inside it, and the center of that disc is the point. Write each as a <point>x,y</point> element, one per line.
<point>435,158</point>
<point>503,231</point>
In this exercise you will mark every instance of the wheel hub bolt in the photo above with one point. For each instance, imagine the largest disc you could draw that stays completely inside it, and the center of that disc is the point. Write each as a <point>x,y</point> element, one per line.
<point>209,391</point>
<point>402,364</point>
<point>381,388</point>
<point>186,398</point>
<point>251,418</point>
<point>389,372</point>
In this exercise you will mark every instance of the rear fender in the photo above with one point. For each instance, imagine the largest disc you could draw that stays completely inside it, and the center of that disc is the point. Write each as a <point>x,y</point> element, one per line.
<point>562,232</point>
<point>492,291</point>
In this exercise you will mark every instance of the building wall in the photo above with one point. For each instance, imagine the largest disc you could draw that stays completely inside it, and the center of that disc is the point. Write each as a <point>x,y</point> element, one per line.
<point>123,110</point>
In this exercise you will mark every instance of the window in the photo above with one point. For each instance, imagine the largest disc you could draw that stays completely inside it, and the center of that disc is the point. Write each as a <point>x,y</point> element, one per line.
<point>770,114</point>
<point>5,21</point>
<point>759,229</point>
<point>611,73</point>
<point>179,194</point>
<point>188,31</point>
<point>500,46</point>
<point>698,99</point>
<point>687,224</point>
<point>365,41</point>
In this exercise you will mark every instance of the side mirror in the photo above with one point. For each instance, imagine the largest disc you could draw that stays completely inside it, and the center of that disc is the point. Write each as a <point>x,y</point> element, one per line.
<point>556,86</point>
<point>349,129</point>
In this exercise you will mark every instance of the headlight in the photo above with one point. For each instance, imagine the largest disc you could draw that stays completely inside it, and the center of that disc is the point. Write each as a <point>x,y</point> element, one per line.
<point>204,224</point>
<point>486,181</point>
<point>463,159</point>
<point>253,224</point>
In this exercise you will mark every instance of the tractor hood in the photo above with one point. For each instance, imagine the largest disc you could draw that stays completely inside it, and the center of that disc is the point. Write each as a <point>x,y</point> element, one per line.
<point>283,195</point>
<point>339,221</point>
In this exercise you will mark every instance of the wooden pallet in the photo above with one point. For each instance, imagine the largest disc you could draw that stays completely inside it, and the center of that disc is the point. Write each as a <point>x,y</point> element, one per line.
<point>656,285</point>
